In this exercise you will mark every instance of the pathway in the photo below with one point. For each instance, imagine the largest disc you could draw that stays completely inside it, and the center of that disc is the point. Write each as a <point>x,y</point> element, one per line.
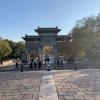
<point>50,85</point>
<point>47,88</point>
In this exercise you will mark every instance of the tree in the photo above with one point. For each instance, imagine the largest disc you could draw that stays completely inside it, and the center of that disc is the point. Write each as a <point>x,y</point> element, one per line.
<point>5,49</point>
<point>86,38</point>
<point>13,47</point>
<point>19,49</point>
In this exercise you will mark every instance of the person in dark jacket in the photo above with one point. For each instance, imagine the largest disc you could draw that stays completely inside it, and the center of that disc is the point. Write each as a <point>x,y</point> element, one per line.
<point>48,59</point>
<point>16,63</point>
<point>39,64</point>
<point>61,62</point>
<point>31,64</point>
<point>22,65</point>
<point>58,63</point>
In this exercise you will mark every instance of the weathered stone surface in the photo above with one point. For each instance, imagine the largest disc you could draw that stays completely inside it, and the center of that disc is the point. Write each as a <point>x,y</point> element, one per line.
<point>54,85</point>
<point>19,86</point>
<point>78,85</point>
<point>47,88</point>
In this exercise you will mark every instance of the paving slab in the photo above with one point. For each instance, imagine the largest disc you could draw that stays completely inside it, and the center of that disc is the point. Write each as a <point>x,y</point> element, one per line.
<point>47,88</point>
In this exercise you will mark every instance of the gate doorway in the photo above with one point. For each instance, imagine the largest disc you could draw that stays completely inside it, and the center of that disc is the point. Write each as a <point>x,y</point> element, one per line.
<point>48,54</point>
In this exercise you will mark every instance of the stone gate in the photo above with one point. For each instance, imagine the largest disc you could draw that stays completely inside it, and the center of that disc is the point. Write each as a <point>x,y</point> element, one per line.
<point>45,36</point>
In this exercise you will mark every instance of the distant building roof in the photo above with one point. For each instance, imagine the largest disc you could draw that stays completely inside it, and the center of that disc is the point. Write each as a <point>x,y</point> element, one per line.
<point>31,37</point>
<point>47,30</point>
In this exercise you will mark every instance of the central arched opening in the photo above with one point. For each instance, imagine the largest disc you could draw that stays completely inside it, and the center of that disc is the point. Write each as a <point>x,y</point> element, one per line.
<point>48,53</point>
<point>32,54</point>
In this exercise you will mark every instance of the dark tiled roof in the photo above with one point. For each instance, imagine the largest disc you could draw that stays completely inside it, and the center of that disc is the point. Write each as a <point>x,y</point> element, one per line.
<point>51,29</point>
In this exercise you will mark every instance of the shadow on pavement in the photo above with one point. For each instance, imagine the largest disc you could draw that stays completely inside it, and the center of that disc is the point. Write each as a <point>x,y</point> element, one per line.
<point>13,68</point>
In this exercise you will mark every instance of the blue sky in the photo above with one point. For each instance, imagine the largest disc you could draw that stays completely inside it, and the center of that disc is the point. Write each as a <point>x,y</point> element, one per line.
<point>20,17</point>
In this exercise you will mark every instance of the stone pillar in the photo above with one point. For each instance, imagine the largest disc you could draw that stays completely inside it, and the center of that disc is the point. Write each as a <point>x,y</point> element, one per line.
<point>37,52</point>
<point>28,56</point>
<point>41,52</point>
<point>55,54</point>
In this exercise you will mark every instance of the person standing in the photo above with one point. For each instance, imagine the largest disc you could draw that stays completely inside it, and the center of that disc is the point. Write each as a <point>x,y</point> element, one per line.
<point>22,65</point>
<point>39,64</point>
<point>61,62</point>
<point>31,64</point>
<point>58,63</point>
<point>46,57</point>
<point>35,63</point>
<point>16,63</point>
<point>48,60</point>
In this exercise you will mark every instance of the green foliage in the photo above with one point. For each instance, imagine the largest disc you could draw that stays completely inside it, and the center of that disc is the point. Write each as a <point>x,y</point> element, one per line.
<point>13,47</point>
<point>86,38</point>
<point>17,49</point>
<point>5,49</point>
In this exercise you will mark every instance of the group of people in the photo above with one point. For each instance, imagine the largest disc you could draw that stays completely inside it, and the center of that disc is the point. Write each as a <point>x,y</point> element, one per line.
<point>36,63</point>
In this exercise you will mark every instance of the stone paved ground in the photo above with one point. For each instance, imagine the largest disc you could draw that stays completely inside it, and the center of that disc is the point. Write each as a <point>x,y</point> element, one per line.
<point>70,85</point>
<point>78,85</point>
<point>19,86</point>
